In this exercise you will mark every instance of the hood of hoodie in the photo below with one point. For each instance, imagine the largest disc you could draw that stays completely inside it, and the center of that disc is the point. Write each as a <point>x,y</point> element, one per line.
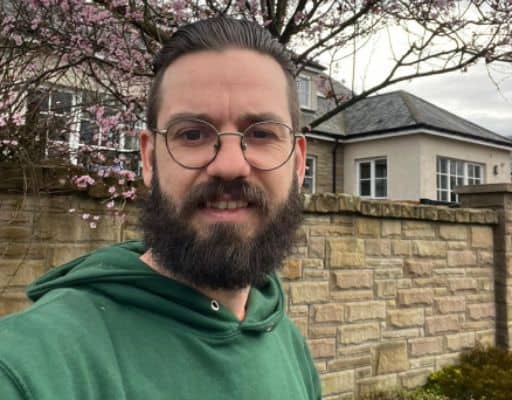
<point>118,273</point>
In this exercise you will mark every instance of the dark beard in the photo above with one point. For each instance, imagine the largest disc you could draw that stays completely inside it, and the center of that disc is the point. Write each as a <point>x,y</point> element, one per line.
<point>224,259</point>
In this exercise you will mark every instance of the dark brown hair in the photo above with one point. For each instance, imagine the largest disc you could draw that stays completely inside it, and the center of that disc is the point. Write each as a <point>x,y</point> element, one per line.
<point>220,33</point>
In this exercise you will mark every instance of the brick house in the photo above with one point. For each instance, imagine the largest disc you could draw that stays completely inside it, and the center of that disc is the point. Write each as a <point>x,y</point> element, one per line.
<point>398,146</point>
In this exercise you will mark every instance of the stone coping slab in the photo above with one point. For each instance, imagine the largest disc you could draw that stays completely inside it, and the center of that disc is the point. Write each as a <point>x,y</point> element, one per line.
<point>346,203</point>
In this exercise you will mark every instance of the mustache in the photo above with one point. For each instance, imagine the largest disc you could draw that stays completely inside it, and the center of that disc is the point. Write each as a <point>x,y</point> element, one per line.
<point>215,189</point>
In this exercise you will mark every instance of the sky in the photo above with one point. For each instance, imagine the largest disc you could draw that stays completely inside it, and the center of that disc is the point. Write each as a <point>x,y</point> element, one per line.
<point>471,95</point>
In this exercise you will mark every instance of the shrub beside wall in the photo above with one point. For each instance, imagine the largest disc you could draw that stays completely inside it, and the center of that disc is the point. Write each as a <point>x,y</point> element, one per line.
<point>385,293</point>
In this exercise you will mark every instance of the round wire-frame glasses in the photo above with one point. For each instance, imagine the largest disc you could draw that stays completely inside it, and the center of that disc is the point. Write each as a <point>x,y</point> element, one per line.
<point>194,143</point>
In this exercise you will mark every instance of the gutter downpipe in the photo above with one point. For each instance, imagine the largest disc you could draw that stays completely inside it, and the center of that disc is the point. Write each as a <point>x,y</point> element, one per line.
<point>334,151</point>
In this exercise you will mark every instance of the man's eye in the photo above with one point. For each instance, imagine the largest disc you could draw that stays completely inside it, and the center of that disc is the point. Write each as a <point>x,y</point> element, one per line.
<point>191,135</point>
<point>260,134</point>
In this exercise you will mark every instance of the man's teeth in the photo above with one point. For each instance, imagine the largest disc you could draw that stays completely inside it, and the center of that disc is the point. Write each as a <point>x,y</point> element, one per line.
<point>223,205</point>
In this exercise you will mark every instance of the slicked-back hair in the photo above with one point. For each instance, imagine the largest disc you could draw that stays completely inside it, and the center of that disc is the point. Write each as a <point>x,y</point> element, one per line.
<point>220,33</point>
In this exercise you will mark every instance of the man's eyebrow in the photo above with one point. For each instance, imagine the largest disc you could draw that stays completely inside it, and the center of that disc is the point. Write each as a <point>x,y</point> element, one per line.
<point>187,115</point>
<point>250,118</point>
<point>244,119</point>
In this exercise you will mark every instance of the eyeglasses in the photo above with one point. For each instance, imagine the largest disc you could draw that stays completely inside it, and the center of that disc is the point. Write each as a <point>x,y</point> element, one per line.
<point>194,143</point>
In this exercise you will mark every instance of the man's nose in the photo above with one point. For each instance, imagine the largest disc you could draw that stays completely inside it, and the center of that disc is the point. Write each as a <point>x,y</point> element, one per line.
<point>229,163</point>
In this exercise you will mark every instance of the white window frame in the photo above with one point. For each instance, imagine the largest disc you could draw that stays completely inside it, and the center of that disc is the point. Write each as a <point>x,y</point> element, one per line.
<point>309,105</point>
<point>373,178</point>
<point>312,175</point>
<point>76,117</point>
<point>467,180</point>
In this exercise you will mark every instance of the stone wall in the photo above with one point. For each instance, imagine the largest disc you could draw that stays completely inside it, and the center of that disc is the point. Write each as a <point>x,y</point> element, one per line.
<point>385,293</point>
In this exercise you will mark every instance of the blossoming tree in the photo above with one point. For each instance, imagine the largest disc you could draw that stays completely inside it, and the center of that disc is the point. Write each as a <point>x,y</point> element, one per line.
<point>104,48</point>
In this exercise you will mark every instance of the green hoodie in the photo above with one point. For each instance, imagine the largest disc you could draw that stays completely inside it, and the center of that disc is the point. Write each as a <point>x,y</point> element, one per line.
<point>107,327</point>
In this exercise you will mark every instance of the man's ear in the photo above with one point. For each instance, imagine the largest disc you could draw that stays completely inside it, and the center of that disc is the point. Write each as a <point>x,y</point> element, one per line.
<point>300,159</point>
<point>147,153</point>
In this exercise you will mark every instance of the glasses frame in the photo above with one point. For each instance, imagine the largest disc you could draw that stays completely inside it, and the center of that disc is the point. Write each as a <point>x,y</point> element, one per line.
<point>218,144</point>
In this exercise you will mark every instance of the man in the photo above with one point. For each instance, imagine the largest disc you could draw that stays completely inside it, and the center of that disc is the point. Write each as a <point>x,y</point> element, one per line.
<point>196,312</point>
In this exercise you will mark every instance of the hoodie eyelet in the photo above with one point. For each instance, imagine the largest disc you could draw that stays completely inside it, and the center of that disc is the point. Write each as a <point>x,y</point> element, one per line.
<point>215,305</point>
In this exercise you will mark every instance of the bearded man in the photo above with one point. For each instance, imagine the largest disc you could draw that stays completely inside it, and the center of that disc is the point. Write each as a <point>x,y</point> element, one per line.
<point>195,311</point>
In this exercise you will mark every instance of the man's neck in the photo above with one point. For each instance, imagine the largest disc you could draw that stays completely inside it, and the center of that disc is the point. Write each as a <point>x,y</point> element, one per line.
<point>234,300</point>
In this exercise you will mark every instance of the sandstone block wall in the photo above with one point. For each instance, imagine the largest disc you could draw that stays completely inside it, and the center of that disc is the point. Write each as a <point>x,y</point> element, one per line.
<point>387,293</point>
<point>384,292</point>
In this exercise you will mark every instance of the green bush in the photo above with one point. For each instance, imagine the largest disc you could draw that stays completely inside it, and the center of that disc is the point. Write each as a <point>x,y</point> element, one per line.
<point>481,374</point>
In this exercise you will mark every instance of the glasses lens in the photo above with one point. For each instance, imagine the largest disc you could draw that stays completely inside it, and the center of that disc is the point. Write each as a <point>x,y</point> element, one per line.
<point>268,144</point>
<point>191,143</point>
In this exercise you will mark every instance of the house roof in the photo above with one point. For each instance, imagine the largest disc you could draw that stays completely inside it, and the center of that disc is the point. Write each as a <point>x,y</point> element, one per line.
<point>395,111</point>
<point>333,126</point>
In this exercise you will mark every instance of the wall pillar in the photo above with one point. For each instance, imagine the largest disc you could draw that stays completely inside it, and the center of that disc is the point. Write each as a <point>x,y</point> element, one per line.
<point>498,197</point>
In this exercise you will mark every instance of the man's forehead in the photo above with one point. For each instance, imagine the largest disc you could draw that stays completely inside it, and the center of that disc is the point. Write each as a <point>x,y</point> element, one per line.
<point>233,80</point>
<point>229,66</point>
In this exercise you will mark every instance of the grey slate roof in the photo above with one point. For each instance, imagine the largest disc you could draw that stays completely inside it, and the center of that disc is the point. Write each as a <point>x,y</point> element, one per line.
<point>395,111</point>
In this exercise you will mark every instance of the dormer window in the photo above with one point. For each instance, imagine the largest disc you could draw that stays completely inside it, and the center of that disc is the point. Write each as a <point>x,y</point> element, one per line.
<point>304,90</point>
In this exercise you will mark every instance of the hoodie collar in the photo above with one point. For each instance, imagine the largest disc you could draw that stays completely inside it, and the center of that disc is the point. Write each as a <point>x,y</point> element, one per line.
<point>118,273</point>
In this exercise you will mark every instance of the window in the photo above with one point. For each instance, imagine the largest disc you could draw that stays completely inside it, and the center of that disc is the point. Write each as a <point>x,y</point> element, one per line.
<point>373,178</point>
<point>62,116</point>
<point>54,110</point>
<point>309,185</point>
<point>304,90</point>
<point>452,173</point>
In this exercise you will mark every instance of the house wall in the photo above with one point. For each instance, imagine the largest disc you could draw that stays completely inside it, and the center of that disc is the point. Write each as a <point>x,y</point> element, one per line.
<point>323,151</point>
<point>433,147</point>
<point>412,163</point>
<point>403,163</point>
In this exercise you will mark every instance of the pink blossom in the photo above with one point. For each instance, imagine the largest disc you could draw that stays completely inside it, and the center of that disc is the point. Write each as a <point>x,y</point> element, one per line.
<point>86,216</point>
<point>110,204</point>
<point>96,217</point>
<point>84,181</point>
<point>92,225</point>
<point>18,119</point>
<point>112,189</point>
<point>129,194</point>
<point>71,210</point>
<point>3,122</point>
<point>129,175</point>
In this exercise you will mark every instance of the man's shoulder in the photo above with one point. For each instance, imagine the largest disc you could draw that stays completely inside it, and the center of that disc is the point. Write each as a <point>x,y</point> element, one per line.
<point>56,317</point>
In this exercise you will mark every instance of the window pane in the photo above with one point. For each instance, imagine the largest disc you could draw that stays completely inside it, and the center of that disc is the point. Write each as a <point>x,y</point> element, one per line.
<point>381,169</point>
<point>460,182</point>
<point>303,88</point>
<point>87,132</point>
<point>460,168</point>
<point>478,171</point>
<point>365,188</point>
<point>444,182</point>
<point>381,188</point>
<point>453,167</point>
<point>57,129</point>
<point>131,142</point>
<point>442,165</point>
<point>61,102</point>
<point>453,197</point>
<point>471,170</point>
<point>310,166</point>
<point>365,170</point>
<point>453,182</point>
